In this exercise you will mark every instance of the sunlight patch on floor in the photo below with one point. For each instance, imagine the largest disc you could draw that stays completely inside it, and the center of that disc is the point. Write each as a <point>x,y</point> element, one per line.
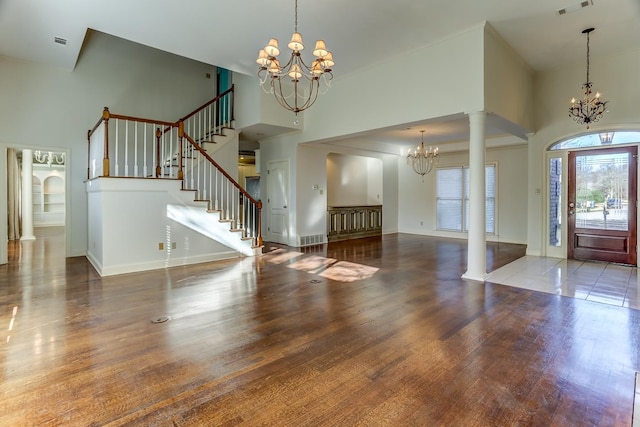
<point>329,268</point>
<point>344,271</point>
<point>312,264</point>
<point>279,256</point>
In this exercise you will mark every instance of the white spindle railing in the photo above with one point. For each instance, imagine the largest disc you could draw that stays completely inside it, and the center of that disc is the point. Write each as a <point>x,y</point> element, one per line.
<point>172,150</point>
<point>222,192</point>
<point>136,143</point>
<point>210,119</point>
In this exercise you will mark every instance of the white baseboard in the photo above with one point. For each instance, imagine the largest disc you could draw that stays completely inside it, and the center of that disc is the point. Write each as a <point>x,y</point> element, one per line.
<point>112,270</point>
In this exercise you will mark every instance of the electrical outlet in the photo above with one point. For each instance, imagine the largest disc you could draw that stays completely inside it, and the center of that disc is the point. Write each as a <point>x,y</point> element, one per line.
<point>160,246</point>
<point>173,245</point>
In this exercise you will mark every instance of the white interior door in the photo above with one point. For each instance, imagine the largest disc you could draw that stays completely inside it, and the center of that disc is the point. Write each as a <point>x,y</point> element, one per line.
<point>278,201</point>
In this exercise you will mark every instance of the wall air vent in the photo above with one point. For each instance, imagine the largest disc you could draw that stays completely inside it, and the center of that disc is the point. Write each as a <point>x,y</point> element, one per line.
<point>60,40</point>
<point>575,7</point>
<point>316,239</point>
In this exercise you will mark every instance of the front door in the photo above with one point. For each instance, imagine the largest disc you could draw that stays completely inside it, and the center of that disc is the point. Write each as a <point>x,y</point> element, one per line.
<point>602,205</point>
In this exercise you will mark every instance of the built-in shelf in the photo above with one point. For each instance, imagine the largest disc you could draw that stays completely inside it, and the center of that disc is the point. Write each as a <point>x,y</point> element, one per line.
<point>48,198</point>
<point>353,222</point>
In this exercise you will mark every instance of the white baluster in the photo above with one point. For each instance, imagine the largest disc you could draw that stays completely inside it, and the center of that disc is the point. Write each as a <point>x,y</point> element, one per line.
<point>135,152</point>
<point>116,156</point>
<point>126,148</point>
<point>154,147</point>
<point>144,151</point>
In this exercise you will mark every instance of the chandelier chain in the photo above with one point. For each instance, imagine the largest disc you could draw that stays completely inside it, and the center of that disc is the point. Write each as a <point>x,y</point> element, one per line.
<point>588,53</point>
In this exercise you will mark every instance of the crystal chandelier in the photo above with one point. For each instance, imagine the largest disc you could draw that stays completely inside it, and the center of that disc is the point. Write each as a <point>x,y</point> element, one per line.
<point>588,109</point>
<point>295,85</point>
<point>422,159</point>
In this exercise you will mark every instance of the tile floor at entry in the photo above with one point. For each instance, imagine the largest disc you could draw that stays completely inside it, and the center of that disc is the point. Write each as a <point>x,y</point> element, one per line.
<point>605,283</point>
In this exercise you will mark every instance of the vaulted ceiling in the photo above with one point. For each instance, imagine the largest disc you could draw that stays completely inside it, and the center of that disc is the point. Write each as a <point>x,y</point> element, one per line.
<point>229,33</point>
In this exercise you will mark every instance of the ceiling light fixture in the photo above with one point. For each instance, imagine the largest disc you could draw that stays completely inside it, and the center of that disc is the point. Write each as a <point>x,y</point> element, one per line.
<point>295,85</point>
<point>606,138</point>
<point>422,159</point>
<point>588,109</point>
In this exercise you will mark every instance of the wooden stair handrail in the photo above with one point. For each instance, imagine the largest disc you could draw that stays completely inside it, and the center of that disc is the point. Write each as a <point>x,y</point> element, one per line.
<point>216,99</point>
<point>226,175</point>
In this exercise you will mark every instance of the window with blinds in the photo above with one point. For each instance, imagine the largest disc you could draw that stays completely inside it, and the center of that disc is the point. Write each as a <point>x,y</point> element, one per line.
<point>452,198</point>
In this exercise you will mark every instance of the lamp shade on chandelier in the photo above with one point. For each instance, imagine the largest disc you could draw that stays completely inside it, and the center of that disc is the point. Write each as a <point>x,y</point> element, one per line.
<point>295,85</point>
<point>422,159</point>
<point>590,108</point>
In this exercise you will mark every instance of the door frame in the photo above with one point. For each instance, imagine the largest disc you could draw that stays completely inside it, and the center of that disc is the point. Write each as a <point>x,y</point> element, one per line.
<point>4,232</point>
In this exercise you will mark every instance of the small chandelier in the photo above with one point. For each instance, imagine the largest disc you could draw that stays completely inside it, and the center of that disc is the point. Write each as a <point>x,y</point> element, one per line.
<point>295,85</point>
<point>422,159</point>
<point>588,109</point>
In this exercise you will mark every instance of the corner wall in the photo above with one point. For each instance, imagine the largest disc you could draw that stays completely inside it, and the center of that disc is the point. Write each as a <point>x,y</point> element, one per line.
<point>43,106</point>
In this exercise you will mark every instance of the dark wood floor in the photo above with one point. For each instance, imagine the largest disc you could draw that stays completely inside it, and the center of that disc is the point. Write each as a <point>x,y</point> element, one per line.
<point>371,332</point>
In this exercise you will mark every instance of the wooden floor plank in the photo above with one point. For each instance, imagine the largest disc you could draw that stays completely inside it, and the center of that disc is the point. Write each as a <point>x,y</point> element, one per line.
<point>288,339</point>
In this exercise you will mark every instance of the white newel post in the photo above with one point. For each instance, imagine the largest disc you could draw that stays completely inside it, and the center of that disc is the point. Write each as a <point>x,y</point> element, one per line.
<point>27,195</point>
<point>477,245</point>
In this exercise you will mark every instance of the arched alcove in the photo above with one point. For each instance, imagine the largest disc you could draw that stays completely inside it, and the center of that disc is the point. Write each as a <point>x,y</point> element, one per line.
<point>353,180</point>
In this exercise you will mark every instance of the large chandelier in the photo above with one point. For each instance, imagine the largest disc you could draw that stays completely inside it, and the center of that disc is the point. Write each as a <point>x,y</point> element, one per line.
<point>588,109</point>
<point>295,85</point>
<point>422,158</point>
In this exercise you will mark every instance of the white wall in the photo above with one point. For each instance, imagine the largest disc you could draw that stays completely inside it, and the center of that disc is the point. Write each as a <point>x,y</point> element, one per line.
<point>353,180</point>
<point>43,106</point>
<point>417,199</point>
<point>508,81</point>
<point>255,106</point>
<point>311,205</point>
<point>616,77</point>
<point>122,208</point>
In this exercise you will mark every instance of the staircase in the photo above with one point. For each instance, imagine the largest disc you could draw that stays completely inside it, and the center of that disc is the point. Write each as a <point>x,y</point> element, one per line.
<point>211,201</point>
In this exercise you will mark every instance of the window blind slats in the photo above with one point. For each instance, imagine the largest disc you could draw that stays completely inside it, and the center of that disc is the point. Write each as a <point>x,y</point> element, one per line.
<point>452,198</point>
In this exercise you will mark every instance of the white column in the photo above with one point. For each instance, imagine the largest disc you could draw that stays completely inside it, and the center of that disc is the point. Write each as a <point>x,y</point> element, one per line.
<point>27,195</point>
<point>477,244</point>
